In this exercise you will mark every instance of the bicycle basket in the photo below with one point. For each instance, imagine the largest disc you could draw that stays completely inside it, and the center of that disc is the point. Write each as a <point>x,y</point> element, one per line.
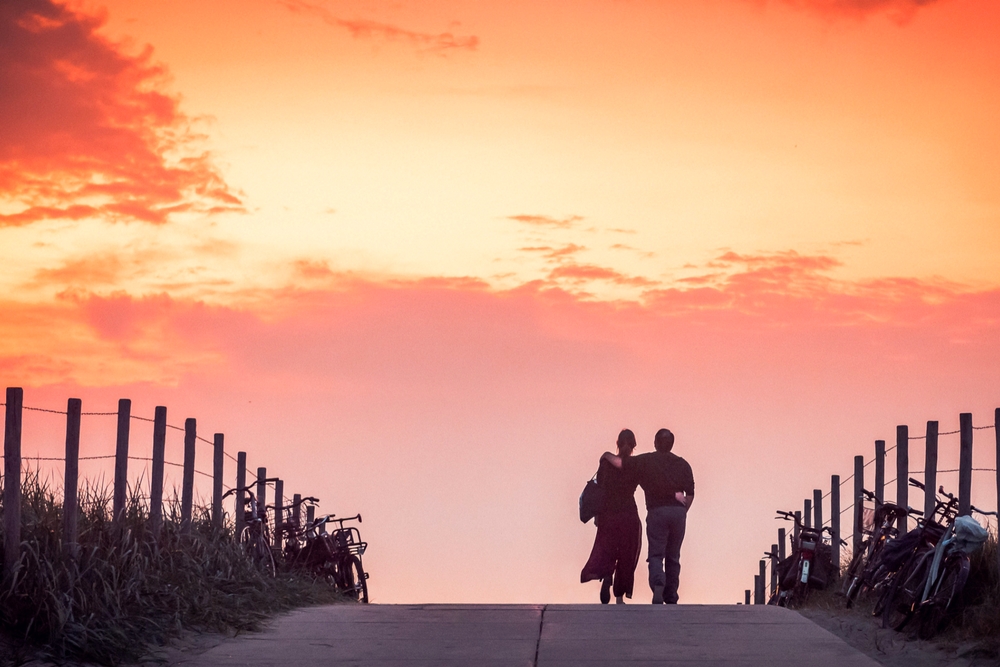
<point>348,540</point>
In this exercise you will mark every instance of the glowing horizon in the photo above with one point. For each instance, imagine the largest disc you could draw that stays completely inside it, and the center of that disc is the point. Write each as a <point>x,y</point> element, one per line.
<point>432,242</point>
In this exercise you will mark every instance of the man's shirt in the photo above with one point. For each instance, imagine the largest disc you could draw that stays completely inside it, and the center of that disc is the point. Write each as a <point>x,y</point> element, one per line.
<point>661,475</point>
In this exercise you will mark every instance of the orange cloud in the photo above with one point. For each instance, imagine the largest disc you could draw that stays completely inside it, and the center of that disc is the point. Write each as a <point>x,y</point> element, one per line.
<point>625,246</point>
<point>87,130</point>
<point>581,273</point>
<point>555,254</point>
<point>361,28</point>
<point>900,10</point>
<point>546,221</point>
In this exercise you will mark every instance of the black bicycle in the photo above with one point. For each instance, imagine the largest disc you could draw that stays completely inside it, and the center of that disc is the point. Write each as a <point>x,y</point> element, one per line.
<point>808,567</point>
<point>255,538</point>
<point>332,556</point>
<point>899,599</point>
<point>347,548</point>
<point>935,573</point>
<point>878,526</point>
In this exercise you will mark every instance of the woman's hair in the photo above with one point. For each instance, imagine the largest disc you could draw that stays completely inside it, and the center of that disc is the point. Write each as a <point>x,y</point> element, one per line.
<point>626,440</point>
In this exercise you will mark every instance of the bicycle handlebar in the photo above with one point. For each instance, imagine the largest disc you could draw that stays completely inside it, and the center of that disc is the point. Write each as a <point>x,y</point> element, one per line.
<point>984,513</point>
<point>918,484</point>
<point>247,489</point>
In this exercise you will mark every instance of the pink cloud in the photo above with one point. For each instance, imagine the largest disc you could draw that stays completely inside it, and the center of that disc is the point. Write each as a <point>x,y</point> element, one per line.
<point>87,128</point>
<point>555,254</point>
<point>546,221</point>
<point>443,42</point>
<point>581,273</point>
<point>900,10</point>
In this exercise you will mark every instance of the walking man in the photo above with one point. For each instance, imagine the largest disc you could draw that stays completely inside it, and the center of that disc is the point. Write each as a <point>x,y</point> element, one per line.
<point>668,483</point>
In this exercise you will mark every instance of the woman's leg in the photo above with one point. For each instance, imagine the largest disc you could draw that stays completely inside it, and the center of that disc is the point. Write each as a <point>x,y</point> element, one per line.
<point>629,548</point>
<point>601,563</point>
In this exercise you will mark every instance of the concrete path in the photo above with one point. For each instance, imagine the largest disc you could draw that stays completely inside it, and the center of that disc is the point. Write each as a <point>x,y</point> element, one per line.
<point>538,636</point>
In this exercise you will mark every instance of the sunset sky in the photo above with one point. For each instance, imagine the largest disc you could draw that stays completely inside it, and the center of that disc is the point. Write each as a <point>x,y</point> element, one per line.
<point>424,260</point>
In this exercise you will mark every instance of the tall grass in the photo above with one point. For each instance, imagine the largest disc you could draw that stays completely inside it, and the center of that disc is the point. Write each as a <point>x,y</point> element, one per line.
<point>978,613</point>
<point>121,591</point>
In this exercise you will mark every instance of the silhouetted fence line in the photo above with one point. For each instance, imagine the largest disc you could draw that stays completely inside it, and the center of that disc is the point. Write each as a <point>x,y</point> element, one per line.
<point>12,473</point>
<point>812,508</point>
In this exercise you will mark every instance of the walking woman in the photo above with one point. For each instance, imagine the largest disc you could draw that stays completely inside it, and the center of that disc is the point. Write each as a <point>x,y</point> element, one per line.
<point>619,530</point>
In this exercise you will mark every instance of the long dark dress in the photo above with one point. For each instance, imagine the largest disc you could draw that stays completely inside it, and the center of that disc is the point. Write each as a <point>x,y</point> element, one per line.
<point>619,532</point>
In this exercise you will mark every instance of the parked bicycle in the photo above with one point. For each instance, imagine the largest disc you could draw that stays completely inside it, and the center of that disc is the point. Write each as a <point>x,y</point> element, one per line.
<point>256,534</point>
<point>898,554</point>
<point>333,556</point>
<point>808,567</point>
<point>935,572</point>
<point>348,548</point>
<point>878,526</point>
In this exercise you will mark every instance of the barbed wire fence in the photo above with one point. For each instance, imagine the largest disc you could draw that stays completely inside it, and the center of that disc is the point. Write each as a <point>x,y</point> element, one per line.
<point>812,508</point>
<point>12,473</point>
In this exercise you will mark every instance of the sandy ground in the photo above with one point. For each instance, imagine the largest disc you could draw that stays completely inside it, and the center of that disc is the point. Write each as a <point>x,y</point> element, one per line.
<point>898,649</point>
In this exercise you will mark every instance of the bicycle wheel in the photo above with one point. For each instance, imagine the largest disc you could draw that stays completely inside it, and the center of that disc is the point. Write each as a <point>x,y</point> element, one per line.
<point>852,578</point>
<point>263,556</point>
<point>353,580</point>
<point>933,612</point>
<point>907,588</point>
<point>799,596</point>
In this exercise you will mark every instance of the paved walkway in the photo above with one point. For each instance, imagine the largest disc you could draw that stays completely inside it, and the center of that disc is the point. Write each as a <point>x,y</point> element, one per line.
<point>538,636</point>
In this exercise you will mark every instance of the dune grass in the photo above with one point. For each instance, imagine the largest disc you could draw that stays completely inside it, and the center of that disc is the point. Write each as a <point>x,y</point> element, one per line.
<point>121,591</point>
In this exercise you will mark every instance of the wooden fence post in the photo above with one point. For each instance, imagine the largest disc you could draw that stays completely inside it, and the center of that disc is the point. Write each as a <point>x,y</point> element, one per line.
<point>835,518</point>
<point>261,488</point>
<point>121,459</point>
<point>781,544</point>
<point>880,470</point>
<point>758,586</point>
<point>762,579</point>
<point>156,476</point>
<point>187,488</point>
<point>930,468</point>
<point>12,480</point>
<point>297,510</point>
<point>774,570</point>
<point>795,530</point>
<point>279,518</point>
<point>902,473</point>
<point>746,599</point>
<point>859,504</point>
<point>70,480</point>
<point>218,463</point>
<point>311,513</point>
<point>807,512</point>
<point>241,494</point>
<point>996,431</point>
<point>965,464</point>
<point>818,508</point>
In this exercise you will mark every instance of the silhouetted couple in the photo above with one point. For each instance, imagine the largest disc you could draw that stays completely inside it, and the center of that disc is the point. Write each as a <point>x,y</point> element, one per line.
<point>668,483</point>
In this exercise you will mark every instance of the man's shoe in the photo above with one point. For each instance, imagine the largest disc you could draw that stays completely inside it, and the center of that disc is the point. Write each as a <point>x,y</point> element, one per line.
<point>606,590</point>
<point>657,594</point>
<point>620,600</point>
